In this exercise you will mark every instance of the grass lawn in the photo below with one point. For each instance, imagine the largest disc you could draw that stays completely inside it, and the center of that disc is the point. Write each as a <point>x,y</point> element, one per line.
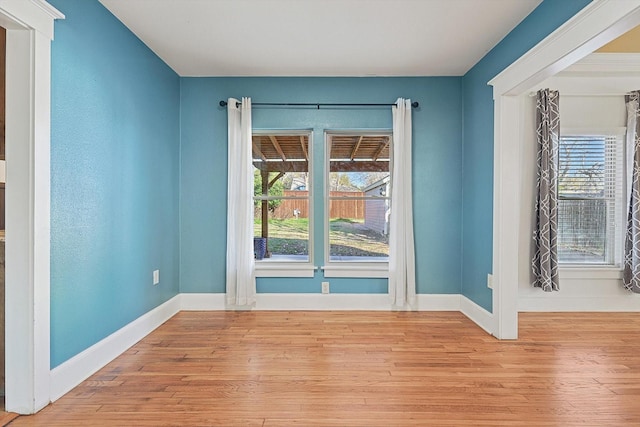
<point>286,236</point>
<point>348,237</point>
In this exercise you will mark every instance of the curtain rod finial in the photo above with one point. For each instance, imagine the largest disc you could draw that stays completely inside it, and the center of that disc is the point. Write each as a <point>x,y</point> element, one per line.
<point>223,103</point>
<point>415,104</point>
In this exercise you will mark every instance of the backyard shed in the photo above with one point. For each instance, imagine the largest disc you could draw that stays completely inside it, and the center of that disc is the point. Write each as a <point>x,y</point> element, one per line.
<point>376,211</point>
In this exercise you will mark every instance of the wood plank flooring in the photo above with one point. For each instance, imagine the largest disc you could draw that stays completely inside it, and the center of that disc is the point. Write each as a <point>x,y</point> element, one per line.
<point>5,417</point>
<point>364,369</point>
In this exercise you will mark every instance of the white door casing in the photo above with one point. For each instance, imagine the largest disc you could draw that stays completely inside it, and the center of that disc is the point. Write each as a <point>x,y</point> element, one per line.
<point>29,25</point>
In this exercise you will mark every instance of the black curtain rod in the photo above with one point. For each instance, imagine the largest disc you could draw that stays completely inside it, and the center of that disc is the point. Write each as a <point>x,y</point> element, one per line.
<point>414,104</point>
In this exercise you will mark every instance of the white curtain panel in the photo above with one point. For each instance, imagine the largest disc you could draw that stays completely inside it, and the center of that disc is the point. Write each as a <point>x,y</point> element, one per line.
<point>402,271</point>
<point>241,277</point>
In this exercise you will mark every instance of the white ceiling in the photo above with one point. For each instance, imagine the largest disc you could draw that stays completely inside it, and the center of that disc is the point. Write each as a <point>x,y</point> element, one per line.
<point>321,37</point>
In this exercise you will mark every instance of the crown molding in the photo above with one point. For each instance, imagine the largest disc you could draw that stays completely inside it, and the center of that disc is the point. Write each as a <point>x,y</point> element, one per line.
<point>52,11</point>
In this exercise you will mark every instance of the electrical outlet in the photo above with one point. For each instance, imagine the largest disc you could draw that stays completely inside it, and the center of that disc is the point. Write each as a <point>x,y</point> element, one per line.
<point>490,281</point>
<point>156,277</point>
<point>325,287</point>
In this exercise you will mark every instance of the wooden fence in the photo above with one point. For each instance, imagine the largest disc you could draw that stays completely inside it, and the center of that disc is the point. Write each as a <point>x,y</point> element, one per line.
<point>339,208</point>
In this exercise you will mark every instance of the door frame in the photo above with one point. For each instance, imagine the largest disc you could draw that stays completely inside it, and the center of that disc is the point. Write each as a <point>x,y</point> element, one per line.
<point>29,25</point>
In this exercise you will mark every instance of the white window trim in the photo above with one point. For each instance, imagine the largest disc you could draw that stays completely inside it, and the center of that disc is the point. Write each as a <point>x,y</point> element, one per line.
<point>368,269</point>
<point>589,272</point>
<point>592,271</point>
<point>348,269</point>
<point>273,268</point>
<point>284,269</point>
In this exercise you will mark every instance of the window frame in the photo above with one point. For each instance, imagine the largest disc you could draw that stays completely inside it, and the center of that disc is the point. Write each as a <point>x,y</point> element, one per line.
<point>364,268</point>
<point>274,268</point>
<point>610,270</point>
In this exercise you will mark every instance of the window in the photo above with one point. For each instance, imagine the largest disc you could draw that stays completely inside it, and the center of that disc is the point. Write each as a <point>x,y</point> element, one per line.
<point>282,187</point>
<point>590,211</point>
<point>358,191</point>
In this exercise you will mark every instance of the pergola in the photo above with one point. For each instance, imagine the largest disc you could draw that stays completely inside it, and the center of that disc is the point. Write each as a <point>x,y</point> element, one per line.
<point>290,153</point>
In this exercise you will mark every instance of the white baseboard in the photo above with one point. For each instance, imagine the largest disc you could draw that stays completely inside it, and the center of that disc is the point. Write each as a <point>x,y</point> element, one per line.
<point>477,314</point>
<point>438,302</point>
<point>202,302</point>
<point>75,370</point>
<point>628,303</point>
<point>294,302</point>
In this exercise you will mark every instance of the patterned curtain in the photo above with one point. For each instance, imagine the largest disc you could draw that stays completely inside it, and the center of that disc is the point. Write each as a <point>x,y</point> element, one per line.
<point>545,258</point>
<point>631,270</point>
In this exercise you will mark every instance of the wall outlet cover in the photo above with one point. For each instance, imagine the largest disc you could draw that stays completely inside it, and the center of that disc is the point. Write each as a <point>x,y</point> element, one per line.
<point>325,287</point>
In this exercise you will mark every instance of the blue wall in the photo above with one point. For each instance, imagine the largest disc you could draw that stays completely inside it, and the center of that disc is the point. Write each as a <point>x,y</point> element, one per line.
<point>437,158</point>
<point>139,171</point>
<point>477,216</point>
<point>114,178</point>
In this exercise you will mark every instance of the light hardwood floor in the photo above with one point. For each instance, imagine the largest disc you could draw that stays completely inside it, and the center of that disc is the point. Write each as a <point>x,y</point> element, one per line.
<point>365,369</point>
<point>5,417</point>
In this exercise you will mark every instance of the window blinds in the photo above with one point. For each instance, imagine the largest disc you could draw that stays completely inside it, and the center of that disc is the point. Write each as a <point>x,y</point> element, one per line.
<point>589,198</point>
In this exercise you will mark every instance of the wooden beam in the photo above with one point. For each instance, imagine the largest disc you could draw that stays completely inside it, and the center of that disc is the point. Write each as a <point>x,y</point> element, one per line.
<point>257,151</point>
<point>274,141</point>
<point>380,150</point>
<point>289,166</point>
<point>349,166</point>
<point>274,180</point>
<point>355,147</point>
<point>336,166</point>
<point>264,174</point>
<point>304,149</point>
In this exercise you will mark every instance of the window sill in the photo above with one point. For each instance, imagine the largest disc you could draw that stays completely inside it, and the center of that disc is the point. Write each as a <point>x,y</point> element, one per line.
<point>361,269</point>
<point>284,269</point>
<point>590,272</point>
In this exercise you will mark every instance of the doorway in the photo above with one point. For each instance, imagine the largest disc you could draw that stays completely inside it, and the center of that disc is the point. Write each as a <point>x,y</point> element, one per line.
<point>597,24</point>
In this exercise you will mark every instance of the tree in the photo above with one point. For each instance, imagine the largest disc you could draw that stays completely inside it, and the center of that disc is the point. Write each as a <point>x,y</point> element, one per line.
<point>341,181</point>
<point>277,189</point>
<point>369,178</point>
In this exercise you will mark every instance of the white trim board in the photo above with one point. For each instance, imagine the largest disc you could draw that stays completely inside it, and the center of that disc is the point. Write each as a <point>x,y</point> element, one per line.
<point>477,314</point>
<point>314,301</point>
<point>80,367</point>
<point>556,303</point>
<point>29,27</point>
<point>598,23</point>
<point>608,63</point>
<point>202,302</point>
